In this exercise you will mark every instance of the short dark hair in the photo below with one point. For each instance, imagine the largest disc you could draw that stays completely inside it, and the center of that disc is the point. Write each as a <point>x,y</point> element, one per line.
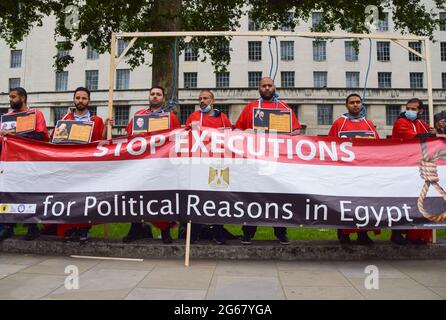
<point>22,92</point>
<point>416,100</point>
<point>158,87</point>
<point>81,89</point>
<point>352,95</point>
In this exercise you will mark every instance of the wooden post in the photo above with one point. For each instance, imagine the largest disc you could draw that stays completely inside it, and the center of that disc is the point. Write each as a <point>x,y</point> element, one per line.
<point>111,85</point>
<point>187,256</point>
<point>430,101</point>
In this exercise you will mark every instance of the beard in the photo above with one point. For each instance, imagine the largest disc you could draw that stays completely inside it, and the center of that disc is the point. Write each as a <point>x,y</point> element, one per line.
<point>267,97</point>
<point>80,107</point>
<point>16,105</point>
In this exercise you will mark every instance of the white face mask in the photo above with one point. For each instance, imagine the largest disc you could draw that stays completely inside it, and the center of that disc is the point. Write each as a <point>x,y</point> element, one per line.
<point>411,115</point>
<point>206,109</point>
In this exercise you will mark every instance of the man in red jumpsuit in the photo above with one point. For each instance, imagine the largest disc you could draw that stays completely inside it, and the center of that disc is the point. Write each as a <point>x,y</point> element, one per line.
<point>354,124</point>
<point>157,99</point>
<point>410,126</point>
<point>18,98</point>
<point>81,101</point>
<point>208,116</point>
<point>268,100</point>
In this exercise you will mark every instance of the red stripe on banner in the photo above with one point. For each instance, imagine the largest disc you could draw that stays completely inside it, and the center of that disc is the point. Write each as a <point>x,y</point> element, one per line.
<point>229,144</point>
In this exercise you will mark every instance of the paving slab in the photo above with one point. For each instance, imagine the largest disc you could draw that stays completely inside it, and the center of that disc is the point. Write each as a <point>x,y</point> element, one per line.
<point>165,294</point>
<point>245,288</point>
<point>22,286</point>
<point>313,279</point>
<point>7,269</point>
<point>102,284</point>
<point>178,278</point>
<point>57,266</point>
<point>246,268</point>
<point>322,293</point>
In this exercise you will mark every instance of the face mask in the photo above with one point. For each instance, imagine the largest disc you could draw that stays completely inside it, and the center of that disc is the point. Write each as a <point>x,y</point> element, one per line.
<point>206,109</point>
<point>411,115</point>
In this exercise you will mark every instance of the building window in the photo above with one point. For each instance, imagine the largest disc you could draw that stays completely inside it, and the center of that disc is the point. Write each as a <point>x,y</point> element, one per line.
<point>190,53</point>
<point>443,80</point>
<point>352,79</point>
<point>425,114</point>
<point>14,83</point>
<point>324,114</point>
<point>223,48</point>
<point>320,79</point>
<point>443,24</point>
<point>383,25</point>
<point>252,25</point>
<point>59,113</point>
<point>254,78</point>
<point>222,80</point>
<point>319,50</point>
<point>61,51</point>
<point>122,44</point>
<point>122,79</point>
<point>383,50</point>
<point>190,79</point>
<point>316,18</point>
<point>416,45</point>
<point>254,50</point>
<point>350,52</point>
<point>287,79</point>
<point>287,50</point>
<point>416,80</point>
<point>16,59</point>
<point>185,112</point>
<point>62,81</point>
<point>392,114</point>
<point>122,115</point>
<point>91,79</point>
<point>92,54</point>
<point>287,25</point>
<point>384,80</point>
<point>443,51</point>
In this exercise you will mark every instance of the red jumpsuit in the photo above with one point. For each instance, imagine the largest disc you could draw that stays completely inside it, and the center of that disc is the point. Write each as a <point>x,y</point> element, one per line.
<point>345,124</point>
<point>174,123</point>
<point>404,129</point>
<point>98,129</point>
<point>220,121</point>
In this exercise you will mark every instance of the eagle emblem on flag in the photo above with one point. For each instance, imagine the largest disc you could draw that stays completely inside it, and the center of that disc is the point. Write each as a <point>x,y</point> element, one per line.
<point>219,178</point>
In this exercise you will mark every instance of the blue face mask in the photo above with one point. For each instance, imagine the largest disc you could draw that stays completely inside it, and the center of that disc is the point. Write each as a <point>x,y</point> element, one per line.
<point>411,115</point>
<point>206,109</point>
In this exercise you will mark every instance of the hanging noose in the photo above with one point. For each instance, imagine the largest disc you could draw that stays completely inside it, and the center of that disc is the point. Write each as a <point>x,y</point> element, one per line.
<point>429,173</point>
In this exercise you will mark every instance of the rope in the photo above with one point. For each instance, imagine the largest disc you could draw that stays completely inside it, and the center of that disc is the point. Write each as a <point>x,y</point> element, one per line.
<point>364,109</point>
<point>173,101</point>
<point>272,58</point>
<point>429,173</point>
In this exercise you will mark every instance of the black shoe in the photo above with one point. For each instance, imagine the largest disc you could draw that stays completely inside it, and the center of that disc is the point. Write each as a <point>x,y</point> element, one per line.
<point>398,239</point>
<point>6,233</point>
<point>246,239</point>
<point>284,240</point>
<point>418,242</point>
<point>71,235</point>
<point>165,236</point>
<point>83,235</point>
<point>363,239</point>
<point>219,239</point>
<point>32,234</point>
<point>147,232</point>
<point>343,238</point>
<point>136,232</point>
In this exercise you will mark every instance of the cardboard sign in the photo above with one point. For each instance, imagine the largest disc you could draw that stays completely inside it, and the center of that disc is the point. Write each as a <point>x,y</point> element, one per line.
<point>151,122</point>
<point>70,131</point>
<point>277,120</point>
<point>21,122</point>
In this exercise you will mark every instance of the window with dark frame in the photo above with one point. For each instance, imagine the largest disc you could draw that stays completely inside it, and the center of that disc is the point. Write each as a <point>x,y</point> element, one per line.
<point>324,114</point>
<point>254,50</point>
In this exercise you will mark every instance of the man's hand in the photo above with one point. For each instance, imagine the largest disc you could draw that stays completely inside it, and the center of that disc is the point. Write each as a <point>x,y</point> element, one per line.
<point>432,130</point>
<point>109,121</point>
<point>3,133</point>
<point>295,133</point>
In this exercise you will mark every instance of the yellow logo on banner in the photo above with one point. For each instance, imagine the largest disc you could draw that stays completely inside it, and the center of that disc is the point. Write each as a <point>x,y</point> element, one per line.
<point>219,177</point>
<point>4,208</point>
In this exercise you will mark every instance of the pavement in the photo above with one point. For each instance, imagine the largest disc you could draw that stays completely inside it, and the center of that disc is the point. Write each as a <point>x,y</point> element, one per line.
<point>25,276</point>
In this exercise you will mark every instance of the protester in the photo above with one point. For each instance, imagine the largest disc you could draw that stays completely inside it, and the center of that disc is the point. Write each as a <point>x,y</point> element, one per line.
<point>354,124</point>
<point>268,100</point>
<point>18,99</point>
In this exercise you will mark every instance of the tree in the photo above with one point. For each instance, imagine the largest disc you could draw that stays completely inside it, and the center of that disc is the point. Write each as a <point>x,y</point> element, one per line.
<point>97,19</point>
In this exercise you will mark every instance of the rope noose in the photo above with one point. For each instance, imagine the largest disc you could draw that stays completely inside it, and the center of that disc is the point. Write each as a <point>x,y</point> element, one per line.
<point>429,173</point>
